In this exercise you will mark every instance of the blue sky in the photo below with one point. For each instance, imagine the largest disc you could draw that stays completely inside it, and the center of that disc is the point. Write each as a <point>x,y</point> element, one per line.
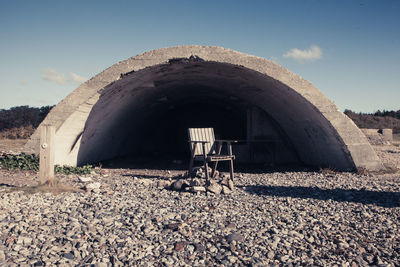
<point>350,50</point>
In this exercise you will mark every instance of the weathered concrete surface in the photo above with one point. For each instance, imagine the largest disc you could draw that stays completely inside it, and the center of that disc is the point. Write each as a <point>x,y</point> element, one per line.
<point>321,135</point>
<point>379,136</point>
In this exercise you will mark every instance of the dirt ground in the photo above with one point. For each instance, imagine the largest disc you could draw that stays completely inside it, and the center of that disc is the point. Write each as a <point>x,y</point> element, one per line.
<point>12,145</point>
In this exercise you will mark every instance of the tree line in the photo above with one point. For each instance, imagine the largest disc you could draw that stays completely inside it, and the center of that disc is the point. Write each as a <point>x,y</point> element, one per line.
<point>377,120</point>
<point>22,116</point>
<point>21,122</point>
<point>26,118</point>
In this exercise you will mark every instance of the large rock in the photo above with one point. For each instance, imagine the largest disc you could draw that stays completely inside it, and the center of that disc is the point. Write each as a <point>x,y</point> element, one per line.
<point>179,185</point>
<point>214,188</point>
<point>196,189</point>
<point>84,179</point>
<point>92,186</point>
<point>226,190</point>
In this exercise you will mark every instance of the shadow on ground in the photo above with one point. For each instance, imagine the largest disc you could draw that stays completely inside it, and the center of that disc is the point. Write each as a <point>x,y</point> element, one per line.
<point>182,165</point>
<point>384,199</point>
<point>145,176</point>
<point>7,185</point>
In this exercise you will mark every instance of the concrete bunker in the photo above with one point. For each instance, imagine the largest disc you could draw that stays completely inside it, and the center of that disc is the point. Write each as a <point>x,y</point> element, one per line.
<point>142,107</point>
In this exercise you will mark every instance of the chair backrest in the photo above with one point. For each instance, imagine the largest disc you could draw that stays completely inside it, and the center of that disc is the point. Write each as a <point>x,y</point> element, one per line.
<point>202,134</point>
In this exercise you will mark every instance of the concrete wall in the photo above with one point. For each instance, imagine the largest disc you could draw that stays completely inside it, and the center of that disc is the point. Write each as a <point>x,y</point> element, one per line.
<point>379,136</point>
<point>267,143</point>
<point>92,121</point>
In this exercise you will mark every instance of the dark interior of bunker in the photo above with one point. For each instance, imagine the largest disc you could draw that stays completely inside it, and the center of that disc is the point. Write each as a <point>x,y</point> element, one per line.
<point>145,116</point>
<point>166,137</point>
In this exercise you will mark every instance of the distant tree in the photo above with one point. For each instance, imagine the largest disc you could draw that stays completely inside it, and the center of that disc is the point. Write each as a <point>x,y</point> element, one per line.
<point>22,116</point>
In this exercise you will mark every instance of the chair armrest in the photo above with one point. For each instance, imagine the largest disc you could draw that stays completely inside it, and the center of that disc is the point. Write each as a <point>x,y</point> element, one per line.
<point>199,142</point>
<point>227,141</point>
<point>228,144</point>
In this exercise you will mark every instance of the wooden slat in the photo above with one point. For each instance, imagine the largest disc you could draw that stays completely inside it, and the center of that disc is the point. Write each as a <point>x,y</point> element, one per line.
<point>197,138</point>
<point>191,137</point>
<point>202,134</point>
<point>207,138</point>
<point>202,138</point>
<point>212,139</point>
<point>210,133</point>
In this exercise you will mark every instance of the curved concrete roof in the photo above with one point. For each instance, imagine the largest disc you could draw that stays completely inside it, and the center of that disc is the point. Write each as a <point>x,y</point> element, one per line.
<point>87,117</point>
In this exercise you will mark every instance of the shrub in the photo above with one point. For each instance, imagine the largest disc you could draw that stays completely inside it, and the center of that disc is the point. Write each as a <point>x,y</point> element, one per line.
<point>21,122</point>
<point>23,132</point>
<point>21,161</point>
<point>31,162</point>
<point>22,116</point>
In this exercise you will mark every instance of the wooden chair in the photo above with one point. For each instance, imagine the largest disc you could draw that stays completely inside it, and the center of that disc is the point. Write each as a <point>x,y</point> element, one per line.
<point>204,147</point>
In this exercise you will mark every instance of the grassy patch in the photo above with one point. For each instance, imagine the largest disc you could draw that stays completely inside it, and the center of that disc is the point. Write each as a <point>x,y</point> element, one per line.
<point>31,162</point>
<point>328,170</point>
<point>21,161</point>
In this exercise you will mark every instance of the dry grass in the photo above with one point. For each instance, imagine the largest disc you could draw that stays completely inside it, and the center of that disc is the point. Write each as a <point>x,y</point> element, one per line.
<point>328,170</point>
<point>23,132</point>
<point>362,171</point>
<point>387,169</point>
<point>390,169</point>
<point>15,145</point>
<point>54,188</point>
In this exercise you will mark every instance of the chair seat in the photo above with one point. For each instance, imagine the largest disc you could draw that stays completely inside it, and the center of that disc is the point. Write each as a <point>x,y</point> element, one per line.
<point>214,157</point>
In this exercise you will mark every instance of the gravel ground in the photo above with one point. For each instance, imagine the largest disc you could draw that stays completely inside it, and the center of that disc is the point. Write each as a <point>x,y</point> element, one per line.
<point>282,218</point>
<point>389,155</point>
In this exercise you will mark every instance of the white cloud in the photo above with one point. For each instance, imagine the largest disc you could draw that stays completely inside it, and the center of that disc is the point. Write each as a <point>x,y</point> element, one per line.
<point>313,53</point>
<point>77,78</point>
<point>53,76</point>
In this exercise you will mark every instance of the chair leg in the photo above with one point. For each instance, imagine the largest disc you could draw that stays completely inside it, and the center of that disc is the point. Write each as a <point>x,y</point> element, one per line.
<point>205,162</point>
<point>193,149</point>
<point>190,167</point>
<point>231,169</point>
<point>206,170</point>
<point>214,169</point>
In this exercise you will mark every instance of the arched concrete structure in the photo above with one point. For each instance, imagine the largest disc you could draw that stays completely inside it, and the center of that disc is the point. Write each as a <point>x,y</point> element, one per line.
<point>147,97</point>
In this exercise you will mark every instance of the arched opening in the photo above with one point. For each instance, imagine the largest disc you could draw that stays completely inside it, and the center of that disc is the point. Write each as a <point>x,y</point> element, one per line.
<point>135,105</point>
<point>146,115</point>
<point>161,133</point>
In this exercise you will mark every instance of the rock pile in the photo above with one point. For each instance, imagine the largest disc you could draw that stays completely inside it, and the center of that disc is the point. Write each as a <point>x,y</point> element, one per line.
<point>197,183</point>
